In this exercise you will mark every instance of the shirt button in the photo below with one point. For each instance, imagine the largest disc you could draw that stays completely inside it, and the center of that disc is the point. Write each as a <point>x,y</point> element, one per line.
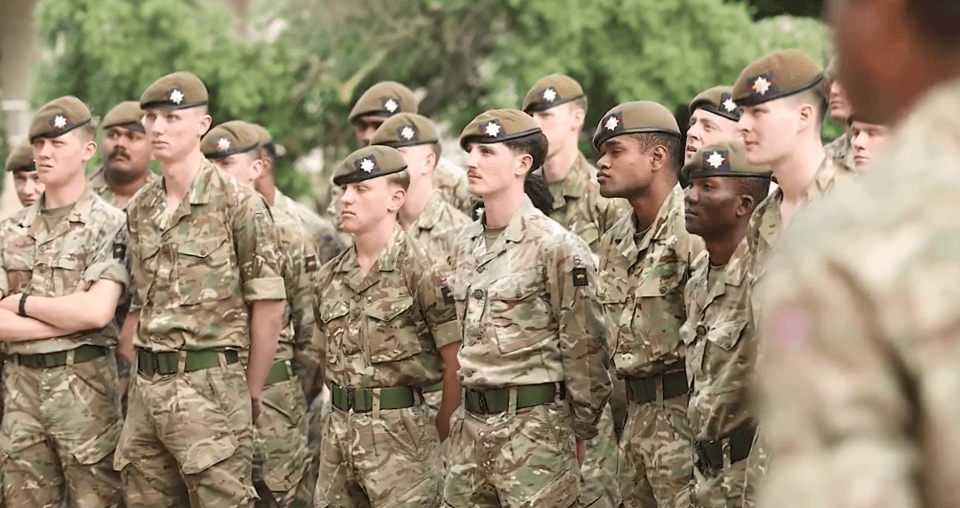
<point>203,251</point>
<point>355,313</point>
<point>479,269</point>
<point>478,294</point>
<point>356,298</point>
<point>701,330</point>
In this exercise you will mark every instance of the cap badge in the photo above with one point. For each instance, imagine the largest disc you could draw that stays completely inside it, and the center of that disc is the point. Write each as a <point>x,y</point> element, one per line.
<point>761,84</point>
<point>407,132</point>
<point>60,121</point>
<point>612,122</point>
<point>390,105</point>
<point>492,128</point>
<point>223,144</point>
<point>367,164</point>
<point>719,160</point>
<point>728,105</point>
<point>175,96</point>
<point>549,95</point>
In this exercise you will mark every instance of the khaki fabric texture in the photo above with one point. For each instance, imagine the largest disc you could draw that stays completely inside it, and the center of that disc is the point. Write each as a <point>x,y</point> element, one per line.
<point>437,227</point>
<point>97,182</point>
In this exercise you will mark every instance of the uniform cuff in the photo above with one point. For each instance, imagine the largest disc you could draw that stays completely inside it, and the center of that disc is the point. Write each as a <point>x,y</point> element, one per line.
<point>447,333</point>
<point>270,288</point>
<point>111,271</point>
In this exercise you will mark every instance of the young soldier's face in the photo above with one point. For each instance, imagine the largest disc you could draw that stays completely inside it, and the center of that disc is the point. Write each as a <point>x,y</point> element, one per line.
<point>623,167</point>
<point>560,125</point>
<point>28,186</point>
<point>769,130</point>
<point>364,205</point>
<point>493,169</point>
<point>242,166</point>
<point>364,127</point>
<point>840,109</point>
<point>711,206</point>
<point>174,134</point>
<point>865,140</point>
<point>707,128</point>
<point>126,151</point>
<point>59,159</point>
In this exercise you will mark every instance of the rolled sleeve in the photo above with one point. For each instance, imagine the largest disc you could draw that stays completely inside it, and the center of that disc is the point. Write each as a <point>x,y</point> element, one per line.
<point>268,288</point>
<point>111,261</point>
<point>258,249</point>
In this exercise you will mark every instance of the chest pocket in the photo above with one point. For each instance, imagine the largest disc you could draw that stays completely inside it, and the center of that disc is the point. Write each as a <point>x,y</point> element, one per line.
<point>521,318</point>
<point>332,328</point>
<point>613,296</point>
<point>659,314</point>
<point>205,270</point>
<point>391,330</point>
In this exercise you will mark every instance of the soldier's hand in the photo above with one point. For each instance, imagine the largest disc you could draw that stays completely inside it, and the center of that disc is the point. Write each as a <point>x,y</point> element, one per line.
<point>581,450</point>
<point>255,408</point>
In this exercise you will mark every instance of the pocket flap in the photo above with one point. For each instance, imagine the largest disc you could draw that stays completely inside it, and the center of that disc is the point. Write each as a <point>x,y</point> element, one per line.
<point>654,287</point>
<point>332,309</point>
<point>516,286</point>
<point>201,248</point>
<point>386,309</point>
<point>67,263</point>
<point>726,335</point>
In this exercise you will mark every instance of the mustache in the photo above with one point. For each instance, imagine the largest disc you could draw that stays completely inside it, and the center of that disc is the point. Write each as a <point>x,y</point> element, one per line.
<point>118,152</point>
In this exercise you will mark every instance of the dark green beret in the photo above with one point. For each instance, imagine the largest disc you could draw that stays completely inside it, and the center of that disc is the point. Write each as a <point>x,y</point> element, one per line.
<point>553,90</point>
<point>727,158</point>
<point>263,135</point>
<point>180,90</point>
<point>405,129</point>
<point>127,114</point>
<point>777,75</point>
<point>719,101</point>
<point>368,163</point>
<point>635,118</point>
<point>384,99</point>
<point>21,158</point>
<point>59,117</point>
<point>498,125</point>
<point>228,138</point>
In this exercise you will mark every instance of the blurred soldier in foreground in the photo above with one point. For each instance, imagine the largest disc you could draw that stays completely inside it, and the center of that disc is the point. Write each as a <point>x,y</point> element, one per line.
<point>860,346</point>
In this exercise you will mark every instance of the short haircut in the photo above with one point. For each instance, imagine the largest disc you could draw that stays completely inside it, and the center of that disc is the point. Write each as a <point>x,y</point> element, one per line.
<point>88,131</point>
<point>756,188</point>
<point>818,96</point>
<point>937,20</point>
<point>401,178</point>
<point>534,144</point>
<point>581,103</point>
<point>270,150</point>
<point>437,150</point>
<point>671,142</point>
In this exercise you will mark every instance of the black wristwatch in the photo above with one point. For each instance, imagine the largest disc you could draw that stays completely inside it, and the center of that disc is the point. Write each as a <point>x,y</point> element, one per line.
<point>23,305</point>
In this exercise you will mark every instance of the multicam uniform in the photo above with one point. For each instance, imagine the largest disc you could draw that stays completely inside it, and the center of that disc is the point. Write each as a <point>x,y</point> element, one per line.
<point>188,436</point>
<point>324,234</point>
<point>381,332</point>
<point>450,181</point>
<point>533,363</point>
<point>97,182</point>
<point>62,411</point>
<point>642,276</point>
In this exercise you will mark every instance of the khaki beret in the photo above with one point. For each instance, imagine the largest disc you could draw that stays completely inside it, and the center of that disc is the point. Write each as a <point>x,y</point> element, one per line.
<point>180,90</point>
<point>777,75</point>
<point>498,125</point>
<point>405,129</point>
<point>126,114</point>
<point>635,118</point>
<point>228,138</point>
<point>384,99</point>
<point>59,117</point>
<point>719,101</point>
<point>727,158</point>
<point>263,135</point>
<point>551,91</point>
<point>21,158</point>
<point>368,163</point>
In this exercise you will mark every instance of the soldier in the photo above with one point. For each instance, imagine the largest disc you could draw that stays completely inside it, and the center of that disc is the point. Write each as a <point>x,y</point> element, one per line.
<point>645,261</point>
<point>25,179</point>
<point>720,338</point>
<point>126,156</point>
<point>322,231</point>
<point>388,329</point>
<point>840,111</point>
<point>388,98</point>
<point>533,361</point>
<point>558,105</point>
<point>866,139</point>
<point>713,118</point>
<point>282,425</point>
<point>207,273</point>
<point>63,268</point>
<point>860,351</point>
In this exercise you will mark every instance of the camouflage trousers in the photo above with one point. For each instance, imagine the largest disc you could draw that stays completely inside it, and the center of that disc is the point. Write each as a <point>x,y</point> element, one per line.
<point>726,488</point>
<point>188,440</point>
<point>380,459</point>
<point>756,466</point>
<point>59,431</point>
<point>599,469</point>
<point>656,455</point>
<point>319,407</point>
<point>281,445</point>
<point>515,459</point>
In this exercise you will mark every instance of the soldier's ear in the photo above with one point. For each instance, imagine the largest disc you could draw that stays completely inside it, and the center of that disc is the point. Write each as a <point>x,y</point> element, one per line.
<point>397,198</point>
<point>257,168</point>
<point>746,205</point>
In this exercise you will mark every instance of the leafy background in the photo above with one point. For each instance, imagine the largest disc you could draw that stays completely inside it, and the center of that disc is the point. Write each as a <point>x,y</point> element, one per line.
<point>297,66</point>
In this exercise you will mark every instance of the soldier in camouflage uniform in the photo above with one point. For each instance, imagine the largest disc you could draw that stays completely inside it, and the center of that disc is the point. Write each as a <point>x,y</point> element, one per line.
<point>432,222</point>
<point>866,139</point>
<point>558,105</point>
<point>720,337</point>
<point>713,118</point>
<point>25,179</point>
<point>208,277</point>
<point>388,328</point>
<point>645,261</point>
<point>126,156</point>
<point>860,357</point>
<point>282,454</point>
<point>840,149</point>
<point>533,361</point>
<point>388,98</point>
<point>322,231</point>
<point>63,267</point>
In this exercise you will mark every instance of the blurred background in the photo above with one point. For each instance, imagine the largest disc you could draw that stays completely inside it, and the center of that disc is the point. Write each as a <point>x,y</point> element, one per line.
<point>296,66</point>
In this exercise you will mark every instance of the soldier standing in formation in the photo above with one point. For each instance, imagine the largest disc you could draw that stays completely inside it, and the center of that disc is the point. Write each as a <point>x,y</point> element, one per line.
<point>713,118</point>
<point>126,156</point>
<point>26,182</point>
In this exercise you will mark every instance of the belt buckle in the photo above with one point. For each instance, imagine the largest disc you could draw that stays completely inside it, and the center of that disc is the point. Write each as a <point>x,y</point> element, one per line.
<point>351,399</point>
<point>154,363</point>
<point>482,400</point>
